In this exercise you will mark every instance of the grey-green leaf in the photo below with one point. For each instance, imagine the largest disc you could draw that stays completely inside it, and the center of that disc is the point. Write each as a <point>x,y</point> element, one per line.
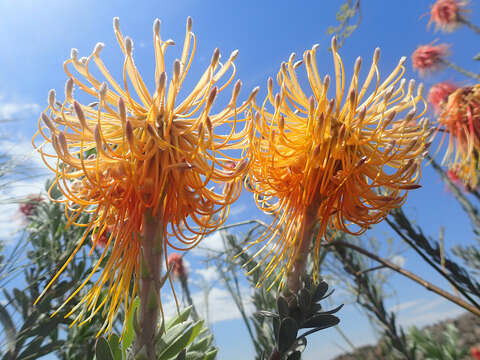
<point>102,350</point>
<point>287,334</point>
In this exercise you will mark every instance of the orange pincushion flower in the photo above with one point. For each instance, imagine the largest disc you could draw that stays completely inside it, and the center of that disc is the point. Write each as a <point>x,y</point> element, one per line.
<point>428,58</point>
<point>122,158</point>
<point>344,162</point>
<point>460,119</point>
<point>445,14</point>
<point>438,95</point>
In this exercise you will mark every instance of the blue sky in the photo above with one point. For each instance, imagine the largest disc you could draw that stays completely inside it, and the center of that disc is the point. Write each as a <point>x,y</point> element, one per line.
<point>36,37</point>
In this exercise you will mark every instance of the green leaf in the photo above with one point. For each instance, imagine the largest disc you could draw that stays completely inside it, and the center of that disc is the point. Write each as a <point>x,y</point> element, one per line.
<point>102,350</point>
<point>201,345</point>
<point>263,313</point>
<point>8,327</point>
<point>287,334</point>
<point>178,338</point>
<point>321,321</point>
<point>211,355</point>
<point>295,356</point>
<point>182,355</point>
<point>304,300</point>
<point>320,291</point>
<point>114,342</point>
<point>282,307</point>
<point>129,330</point>
<point>32,348</point>
<point>183,316</point>
<point>195,355</point>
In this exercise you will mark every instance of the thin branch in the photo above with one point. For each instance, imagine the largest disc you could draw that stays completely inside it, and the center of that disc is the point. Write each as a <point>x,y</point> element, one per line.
<point>432,264</point>
<point>417,279</point>
<point>469,24</point>
<point>460,69</point>
<point>358,273</point>
<point>241,223</point>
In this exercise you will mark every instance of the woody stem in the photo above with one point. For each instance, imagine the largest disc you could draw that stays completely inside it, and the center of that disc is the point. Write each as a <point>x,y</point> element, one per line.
<point>149,285</point>
<point>411,276</point>
<point>305,239</point>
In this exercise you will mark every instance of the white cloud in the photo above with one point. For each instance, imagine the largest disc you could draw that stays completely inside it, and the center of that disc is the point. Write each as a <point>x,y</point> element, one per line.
<point>429,305</point>
<point>211,243</point>
<point>422,319</point>
<point>422,312</point>
<point>220,304</point>
<point>405,305</point>
<point>398,260</point>
<point>237,209</point>
<point>25,175</point>
<point>9,110</point>
<point>209,274</point>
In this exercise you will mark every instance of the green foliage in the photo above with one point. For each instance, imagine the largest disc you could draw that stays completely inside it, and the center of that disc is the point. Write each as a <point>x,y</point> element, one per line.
<point>34,332</point>
<point>447,347</point>
<point>345,15</point>
<point>296,312</point>
<point>179,338</point>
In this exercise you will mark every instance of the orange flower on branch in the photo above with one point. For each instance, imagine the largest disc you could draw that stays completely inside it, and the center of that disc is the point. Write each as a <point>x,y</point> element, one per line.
<point>429,58</point>
<point>460,120</point>
<point>342,163</point>
<point>134,152</point>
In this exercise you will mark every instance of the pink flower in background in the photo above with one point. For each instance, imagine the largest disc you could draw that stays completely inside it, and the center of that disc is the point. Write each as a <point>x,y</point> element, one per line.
<point>27,207</point>
<point>428,58</point>
<point>454,176</point>
<point>101,240</point>
<point>176,260</point>
<point>475,352</point>
<point>445,14</point>
<point>438,94</point>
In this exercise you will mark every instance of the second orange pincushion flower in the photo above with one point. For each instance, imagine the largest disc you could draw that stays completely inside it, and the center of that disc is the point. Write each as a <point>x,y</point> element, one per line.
<point>343,162</point>
<point>134,159</point>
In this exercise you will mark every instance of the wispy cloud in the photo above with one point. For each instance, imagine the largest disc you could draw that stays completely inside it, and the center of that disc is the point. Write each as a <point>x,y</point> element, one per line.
<point>405,305</point>
<point>423,311</point>
<point>209,274</point>
<point>213,243</point>
<point>22,174</point>
<point>11,110</point>
<point>237,209</point>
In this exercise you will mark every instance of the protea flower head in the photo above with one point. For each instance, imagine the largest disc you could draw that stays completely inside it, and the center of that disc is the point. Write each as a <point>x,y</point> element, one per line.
<point>340,162</point>
<point>460,120</point>
<point>438,95</point>
<point>446,14</point>
<point>135,151</point>
<point>428,58</point>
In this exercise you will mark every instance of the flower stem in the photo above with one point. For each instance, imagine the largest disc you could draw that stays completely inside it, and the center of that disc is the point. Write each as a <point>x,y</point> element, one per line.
<point>150,284</point>
<point>470,25</point>
<point>305,239</point>
<point>461,70</point>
